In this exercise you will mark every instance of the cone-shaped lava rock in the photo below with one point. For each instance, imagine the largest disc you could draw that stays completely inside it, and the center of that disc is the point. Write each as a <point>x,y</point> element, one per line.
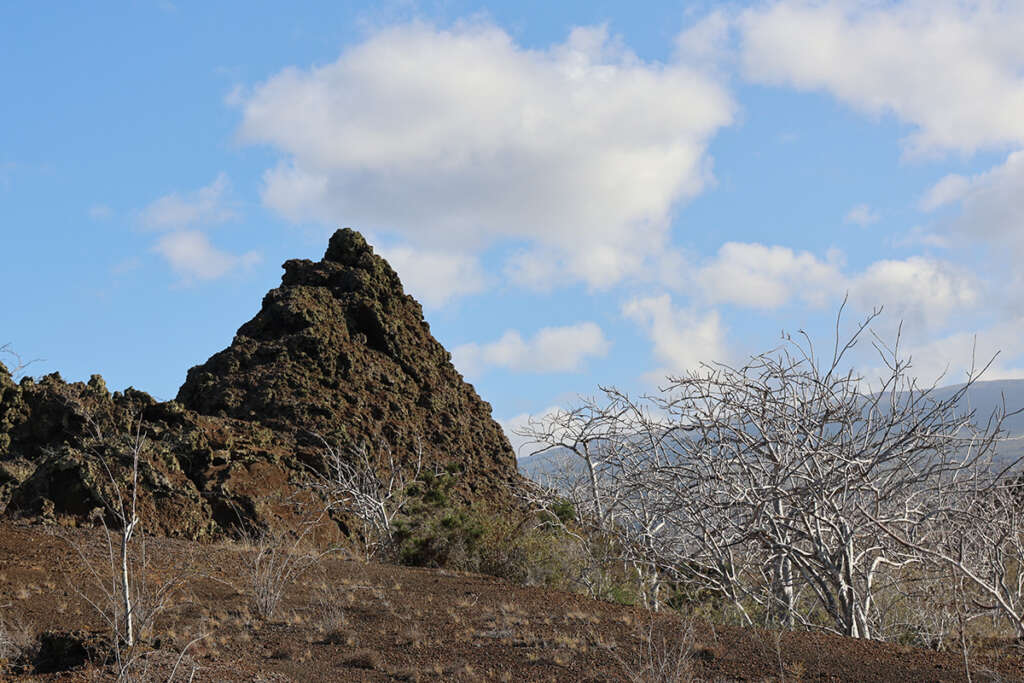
<point>340,348</point>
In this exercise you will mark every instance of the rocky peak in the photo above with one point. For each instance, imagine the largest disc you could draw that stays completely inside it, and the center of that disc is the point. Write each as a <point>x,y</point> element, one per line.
<point>349,248</point>
<point>339,348</point>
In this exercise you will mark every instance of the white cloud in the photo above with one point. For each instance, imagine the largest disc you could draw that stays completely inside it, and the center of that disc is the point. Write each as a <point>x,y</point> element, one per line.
<point>760,276</point>
<point>954,69</point>
<point>462,138</point>
<point>536,270</point>
<point>950,189</point>
<point>188,251</point>
<point>862,215</point>
<point>207,206</point>
<point>991,204</point>
<point>192,256</point>
<point>552,349</point>
<point>707,41</point>
<point>920,291</point>
<point>682,338</point>
<point>919,235</point>
<point>950,357</point>
<point>434,277</point>
<point>522,445</point>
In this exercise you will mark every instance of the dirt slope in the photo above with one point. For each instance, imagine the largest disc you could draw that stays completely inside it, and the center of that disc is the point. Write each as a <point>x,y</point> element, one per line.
<point>350,621</point>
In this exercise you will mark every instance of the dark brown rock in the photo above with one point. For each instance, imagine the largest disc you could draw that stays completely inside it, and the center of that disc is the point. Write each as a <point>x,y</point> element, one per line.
<point>337,350</point>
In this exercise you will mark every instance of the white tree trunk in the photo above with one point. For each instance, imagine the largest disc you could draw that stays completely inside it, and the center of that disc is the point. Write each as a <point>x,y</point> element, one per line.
<point>126,592</point>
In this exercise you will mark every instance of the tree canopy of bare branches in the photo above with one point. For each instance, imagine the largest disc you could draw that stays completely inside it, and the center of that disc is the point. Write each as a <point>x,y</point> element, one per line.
<point>15,363</point>
<point>354,481</point>
<point>793,487</point>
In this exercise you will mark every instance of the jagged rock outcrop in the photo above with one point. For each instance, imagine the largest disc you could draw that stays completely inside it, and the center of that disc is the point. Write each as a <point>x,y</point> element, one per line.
<point>338,350</point>
<point>69,444</point>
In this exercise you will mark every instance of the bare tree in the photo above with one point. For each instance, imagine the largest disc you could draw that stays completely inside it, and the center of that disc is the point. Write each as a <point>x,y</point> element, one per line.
<point>130,602</point>
<point>123,506</point>
<point>978,534</point>
<point>599,457</point>
<point>17,364</point>
<point>375,494</point>
<point>769,482</point>
<point>585,436</point>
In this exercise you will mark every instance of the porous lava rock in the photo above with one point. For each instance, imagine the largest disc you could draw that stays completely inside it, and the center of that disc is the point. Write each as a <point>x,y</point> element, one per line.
<point>68,454</point>
<point>339,349</point>
<point>337,352</point>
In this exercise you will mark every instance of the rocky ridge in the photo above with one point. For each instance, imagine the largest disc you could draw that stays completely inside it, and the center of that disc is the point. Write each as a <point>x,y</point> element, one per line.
<point>338,351</point>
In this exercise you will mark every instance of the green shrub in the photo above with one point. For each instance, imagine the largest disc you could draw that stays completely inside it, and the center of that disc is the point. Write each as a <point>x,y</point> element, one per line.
<point>525,548</point>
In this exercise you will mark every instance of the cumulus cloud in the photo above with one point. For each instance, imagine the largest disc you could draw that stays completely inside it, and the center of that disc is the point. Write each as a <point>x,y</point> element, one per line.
<point>552,349</point>
<point>185,248</point>
<point>682,338</point>
<point>759,276</point>
<point>991,204</point>
<point>920,291</point>
<point>577,153</point>
<point>435,276</point>
<point>192,257</point>
<point>206,206</point>
<point>707,41</point>
<point>536,270</point>
<point>953,69</point>
<point>949,189</point>
<point>862,215</point>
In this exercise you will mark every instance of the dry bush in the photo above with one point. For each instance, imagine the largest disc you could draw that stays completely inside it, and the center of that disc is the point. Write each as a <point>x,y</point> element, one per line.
<point>667,652</point>
<point>16,641</point>
<point>276,558</point>
<point>329,615</point>
<point>9,649</point>
<point>352,481</point>
<point>410,514</point>
<point>15,363</point>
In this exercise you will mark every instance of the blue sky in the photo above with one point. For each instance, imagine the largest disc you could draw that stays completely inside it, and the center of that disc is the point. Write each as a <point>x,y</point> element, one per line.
<point>580,193</point>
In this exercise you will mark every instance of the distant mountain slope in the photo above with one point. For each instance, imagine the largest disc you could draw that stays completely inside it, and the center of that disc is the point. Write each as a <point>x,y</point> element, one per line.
<point>982,397</point>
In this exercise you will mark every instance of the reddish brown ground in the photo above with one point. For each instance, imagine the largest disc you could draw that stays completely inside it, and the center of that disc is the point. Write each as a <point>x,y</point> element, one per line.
<point>351,621</point>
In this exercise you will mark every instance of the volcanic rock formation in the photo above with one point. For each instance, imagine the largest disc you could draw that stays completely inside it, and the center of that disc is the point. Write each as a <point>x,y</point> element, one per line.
<point>338,351</point>
<point>339,346</point>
